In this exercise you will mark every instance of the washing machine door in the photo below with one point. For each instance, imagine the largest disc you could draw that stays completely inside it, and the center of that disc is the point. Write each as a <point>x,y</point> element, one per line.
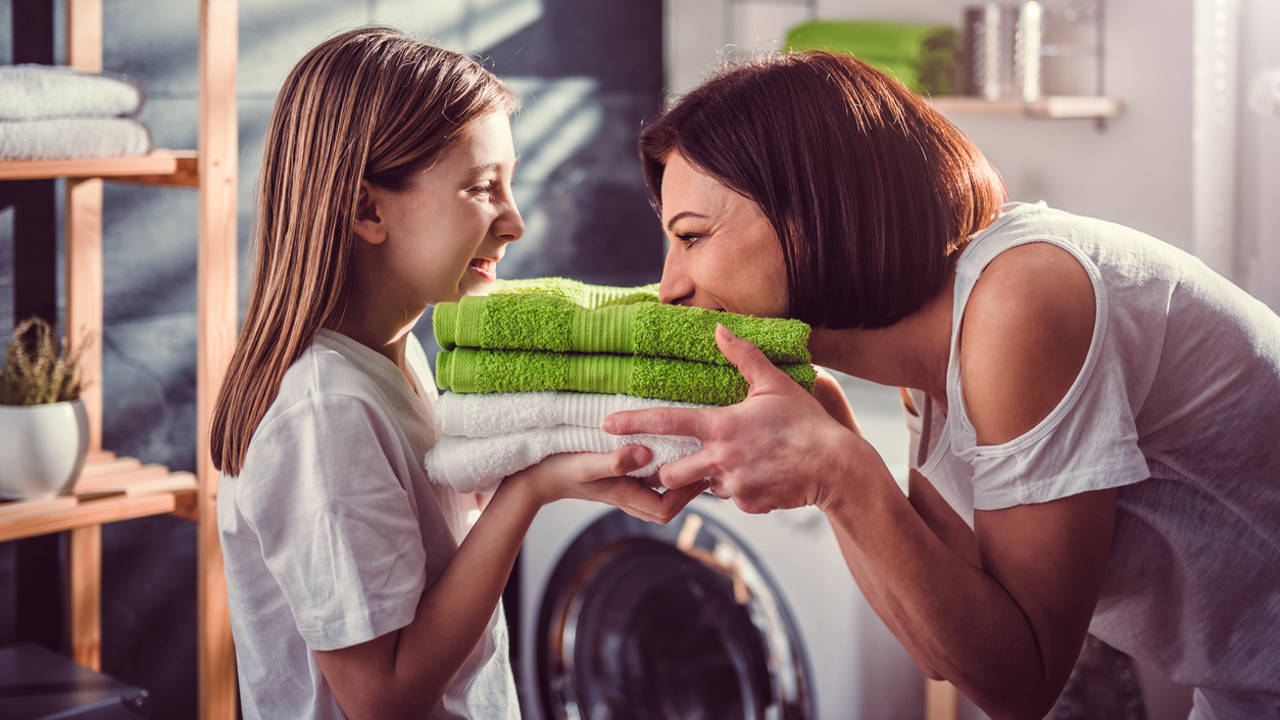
<point>678,621</point>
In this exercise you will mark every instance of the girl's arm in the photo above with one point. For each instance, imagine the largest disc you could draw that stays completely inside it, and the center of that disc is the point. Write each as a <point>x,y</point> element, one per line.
<point>405,673</point>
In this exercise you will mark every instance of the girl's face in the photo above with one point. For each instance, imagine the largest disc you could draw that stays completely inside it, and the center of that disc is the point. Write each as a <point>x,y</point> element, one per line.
<point>723,254</point>
<point>443,238</point>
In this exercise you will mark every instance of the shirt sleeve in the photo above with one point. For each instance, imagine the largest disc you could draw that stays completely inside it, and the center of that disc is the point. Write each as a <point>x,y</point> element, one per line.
<point>1088,442</point>
<point>337,529</point>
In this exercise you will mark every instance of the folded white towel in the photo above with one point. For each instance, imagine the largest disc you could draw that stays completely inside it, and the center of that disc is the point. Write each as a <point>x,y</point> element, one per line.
<point>29,92</point>
<point>491,414</point>
<point>475,464</point>
<point>80,137</point>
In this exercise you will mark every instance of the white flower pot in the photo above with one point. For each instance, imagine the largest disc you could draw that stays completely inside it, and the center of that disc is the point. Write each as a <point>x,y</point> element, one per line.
<point>42,448</point>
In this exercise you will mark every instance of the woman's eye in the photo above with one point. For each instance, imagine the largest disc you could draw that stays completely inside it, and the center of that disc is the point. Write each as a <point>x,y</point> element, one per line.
<point>689,238</point>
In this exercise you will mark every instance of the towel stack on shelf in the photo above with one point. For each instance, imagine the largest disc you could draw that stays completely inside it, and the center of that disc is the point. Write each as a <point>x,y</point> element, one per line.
<point>922,57</point>
<point>535,366</point>
<point>50,112</point>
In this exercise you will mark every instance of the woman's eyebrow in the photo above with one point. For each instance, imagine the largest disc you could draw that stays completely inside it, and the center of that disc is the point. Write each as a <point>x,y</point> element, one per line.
<point>686,213</point>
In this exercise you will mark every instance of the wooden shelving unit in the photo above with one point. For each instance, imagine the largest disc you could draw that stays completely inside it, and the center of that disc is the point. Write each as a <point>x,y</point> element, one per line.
<point>112,488</point>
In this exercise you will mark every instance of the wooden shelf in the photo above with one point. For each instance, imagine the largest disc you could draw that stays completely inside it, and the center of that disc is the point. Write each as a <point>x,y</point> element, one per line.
<point>108,489</point>
<point>159,167</point>
<point>1054,107</point>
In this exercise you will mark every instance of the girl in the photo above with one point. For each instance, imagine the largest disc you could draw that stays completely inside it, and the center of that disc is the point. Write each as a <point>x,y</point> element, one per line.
<point>354,585</point>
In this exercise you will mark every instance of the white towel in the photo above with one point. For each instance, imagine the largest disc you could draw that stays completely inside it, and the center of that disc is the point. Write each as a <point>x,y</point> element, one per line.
<point>29,92</point>
<point>490,414</point>
<point>80,137</point>
<point>475,464</point>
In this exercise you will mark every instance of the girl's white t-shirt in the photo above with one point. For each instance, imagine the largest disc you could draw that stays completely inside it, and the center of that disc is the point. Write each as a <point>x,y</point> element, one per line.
<point>332,530</point>
<point>1178,406</point>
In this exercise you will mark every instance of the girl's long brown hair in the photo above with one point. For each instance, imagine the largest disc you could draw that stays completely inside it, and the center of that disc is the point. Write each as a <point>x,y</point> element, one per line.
<point>368,104</point>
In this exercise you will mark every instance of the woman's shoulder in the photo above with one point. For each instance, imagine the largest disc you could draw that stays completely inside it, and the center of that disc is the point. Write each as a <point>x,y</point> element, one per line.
<point>1026,331</point>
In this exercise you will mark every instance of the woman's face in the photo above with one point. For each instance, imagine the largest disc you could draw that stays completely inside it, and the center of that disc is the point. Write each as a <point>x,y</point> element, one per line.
<point>723,254</point>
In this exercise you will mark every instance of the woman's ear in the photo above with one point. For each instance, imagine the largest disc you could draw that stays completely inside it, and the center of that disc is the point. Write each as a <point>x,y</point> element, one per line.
<point>368,224</point>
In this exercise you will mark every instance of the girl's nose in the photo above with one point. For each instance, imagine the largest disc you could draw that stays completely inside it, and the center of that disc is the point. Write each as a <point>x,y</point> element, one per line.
<point>676,287</point>
<point>509,226</point>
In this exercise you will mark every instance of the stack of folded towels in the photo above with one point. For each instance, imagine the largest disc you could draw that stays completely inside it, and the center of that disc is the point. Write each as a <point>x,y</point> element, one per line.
<point>533,368</point>
<point>49,111</point>
<point>923,57</point>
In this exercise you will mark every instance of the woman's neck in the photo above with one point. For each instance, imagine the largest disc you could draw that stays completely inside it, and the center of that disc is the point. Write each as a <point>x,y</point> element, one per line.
<point>913,352</point>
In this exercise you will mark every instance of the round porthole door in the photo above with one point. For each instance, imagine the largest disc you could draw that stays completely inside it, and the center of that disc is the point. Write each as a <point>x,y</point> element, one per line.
<point>669,622</point>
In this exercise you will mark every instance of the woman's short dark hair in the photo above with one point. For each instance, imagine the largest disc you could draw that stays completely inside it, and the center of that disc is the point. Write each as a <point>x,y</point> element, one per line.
<point>869,189</point>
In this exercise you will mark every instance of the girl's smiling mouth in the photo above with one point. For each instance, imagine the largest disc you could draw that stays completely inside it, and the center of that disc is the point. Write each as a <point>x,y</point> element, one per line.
<point>486,268</point>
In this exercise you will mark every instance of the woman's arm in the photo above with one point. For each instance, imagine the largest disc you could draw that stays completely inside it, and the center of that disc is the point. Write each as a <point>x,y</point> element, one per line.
<point>405,673</point>
<point>1005,630</point>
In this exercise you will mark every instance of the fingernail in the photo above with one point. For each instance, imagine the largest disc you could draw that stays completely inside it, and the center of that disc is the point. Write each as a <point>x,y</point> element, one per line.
<point>725,332</point>
<point>609,425</point>
<point>637,457</point>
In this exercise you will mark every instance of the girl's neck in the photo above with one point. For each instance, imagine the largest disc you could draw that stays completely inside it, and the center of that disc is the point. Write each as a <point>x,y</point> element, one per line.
<point>913,352</point>
<point>380,326</point>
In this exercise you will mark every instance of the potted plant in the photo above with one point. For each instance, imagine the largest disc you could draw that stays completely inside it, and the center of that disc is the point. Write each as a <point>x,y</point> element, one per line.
<point>44,429</point>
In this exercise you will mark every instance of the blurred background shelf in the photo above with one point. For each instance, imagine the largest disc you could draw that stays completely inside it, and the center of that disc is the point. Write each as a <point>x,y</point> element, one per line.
<point>1054,107</point>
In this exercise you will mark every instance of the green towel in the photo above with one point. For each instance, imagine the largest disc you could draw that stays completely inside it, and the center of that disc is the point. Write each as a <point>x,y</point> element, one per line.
<point>510,321</point>
<point>921,56</point>
<point>580,293</point>
<point>485,371</point>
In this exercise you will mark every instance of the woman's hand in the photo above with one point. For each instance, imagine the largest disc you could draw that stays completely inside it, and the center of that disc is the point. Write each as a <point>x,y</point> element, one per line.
<point>778,448</point>
<point>602,477</point>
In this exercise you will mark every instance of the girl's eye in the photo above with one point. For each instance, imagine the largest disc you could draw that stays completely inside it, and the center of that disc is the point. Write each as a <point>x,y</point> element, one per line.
<point>485,189</point>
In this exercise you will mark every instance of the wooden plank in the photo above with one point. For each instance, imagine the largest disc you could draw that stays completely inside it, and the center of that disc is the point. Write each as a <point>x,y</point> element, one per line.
<point>84,35</point>
<point>121,478</point>
<point>186,173</point>
<point>14,509</point>
<point>162,482</point>
<point>941,700</point>
<point>108,467</point>
<point>169,167</point>
<point>84,581</point>
<point>94,512</point>
<point>84,293</point>
<point>217,325</point>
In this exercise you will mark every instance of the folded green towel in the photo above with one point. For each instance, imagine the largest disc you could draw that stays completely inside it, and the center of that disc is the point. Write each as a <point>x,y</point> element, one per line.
<point>578,292</point>
<point>475,371</point>
<point>909,42</point>
<point>923,57</point>
<point>510,321</point>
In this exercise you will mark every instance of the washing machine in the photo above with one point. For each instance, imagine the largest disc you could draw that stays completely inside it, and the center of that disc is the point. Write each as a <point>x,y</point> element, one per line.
<point>717,615</point>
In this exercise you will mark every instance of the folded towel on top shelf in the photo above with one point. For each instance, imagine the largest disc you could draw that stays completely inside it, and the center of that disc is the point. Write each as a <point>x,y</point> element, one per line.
<point>487,371</point>
<point>476,464</point>
<point>483,415</point>
<point>73,137</point>
<point>517,321</point>
<point>921,56</point>
<point>30,92</point>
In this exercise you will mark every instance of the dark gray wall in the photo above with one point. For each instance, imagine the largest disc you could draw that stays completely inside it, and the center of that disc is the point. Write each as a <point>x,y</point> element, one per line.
<point>589,72</point>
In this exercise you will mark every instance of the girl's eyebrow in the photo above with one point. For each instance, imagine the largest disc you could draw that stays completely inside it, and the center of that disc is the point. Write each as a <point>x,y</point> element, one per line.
<point>490,167</point>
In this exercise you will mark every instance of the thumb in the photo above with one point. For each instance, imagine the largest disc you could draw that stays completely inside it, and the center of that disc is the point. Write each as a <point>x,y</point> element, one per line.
<point>748,358</point>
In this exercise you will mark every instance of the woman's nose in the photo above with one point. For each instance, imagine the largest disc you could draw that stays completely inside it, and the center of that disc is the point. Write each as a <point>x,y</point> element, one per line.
<point>676,286</point>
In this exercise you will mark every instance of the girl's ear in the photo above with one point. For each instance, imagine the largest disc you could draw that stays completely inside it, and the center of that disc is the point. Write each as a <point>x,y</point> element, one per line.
<point>368,225</point>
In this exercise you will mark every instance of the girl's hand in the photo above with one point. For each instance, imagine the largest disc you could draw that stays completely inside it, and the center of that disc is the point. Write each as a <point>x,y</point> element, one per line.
<point>778,448</point>
<point>602,477</point>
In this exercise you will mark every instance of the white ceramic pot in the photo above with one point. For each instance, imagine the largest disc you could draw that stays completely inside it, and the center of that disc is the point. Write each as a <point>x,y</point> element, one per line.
<point>42,448</point>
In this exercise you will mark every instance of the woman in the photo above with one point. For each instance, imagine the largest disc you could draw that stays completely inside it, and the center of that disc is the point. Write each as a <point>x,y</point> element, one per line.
<point>1094,410</point>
